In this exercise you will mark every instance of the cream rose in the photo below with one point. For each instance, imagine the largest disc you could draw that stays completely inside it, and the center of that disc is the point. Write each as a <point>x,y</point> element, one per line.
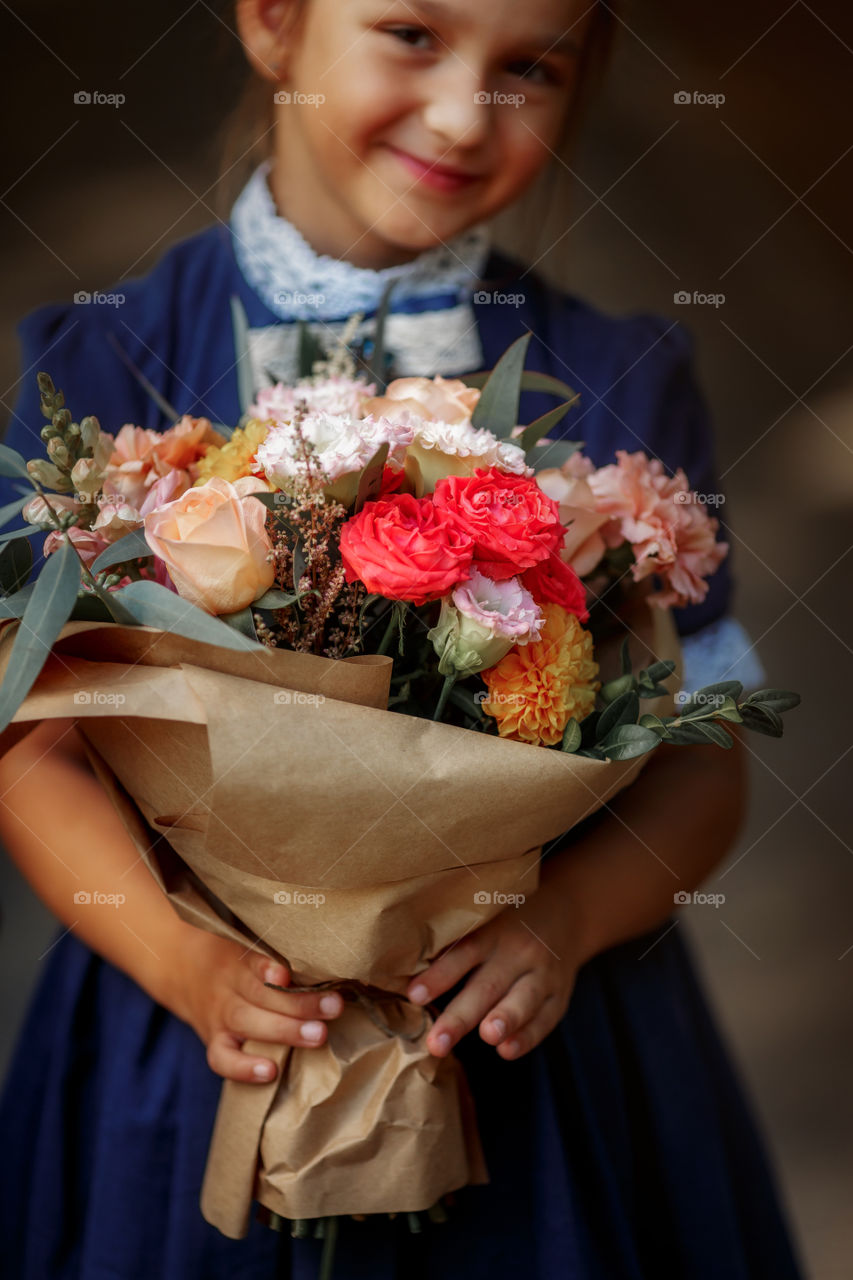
<point>442,399</point>
<point>214,544</point>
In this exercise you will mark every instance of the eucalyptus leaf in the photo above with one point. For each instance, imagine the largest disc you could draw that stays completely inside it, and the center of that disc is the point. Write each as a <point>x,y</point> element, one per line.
<point>376,363</point>
<point>156,606</point>
<point>12,508</point>
<point>626,741</point>
<point>551,453</point>
<point>131,546</point>
<point>16,560</point>
<point>48,609</point>
<point>497,407</point>
<point>241,621</point>
<point>242,360</point>
<point>531,380</point>
<point>13,606</point>
<point>275,599</point>
<point>571,736</point>
<point>532,434</point>
<point>622,710</point>
<point>26,532</point>
<point>12,463</point>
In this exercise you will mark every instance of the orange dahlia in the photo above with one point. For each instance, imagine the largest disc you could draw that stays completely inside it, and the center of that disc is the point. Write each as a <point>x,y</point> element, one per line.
<point>538,687</point>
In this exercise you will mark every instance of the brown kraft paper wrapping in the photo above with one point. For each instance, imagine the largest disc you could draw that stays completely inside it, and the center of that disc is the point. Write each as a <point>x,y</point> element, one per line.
<point>279,804</point>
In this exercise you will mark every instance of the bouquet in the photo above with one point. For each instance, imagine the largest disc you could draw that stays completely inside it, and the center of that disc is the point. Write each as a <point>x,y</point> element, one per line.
<point>351,621</point>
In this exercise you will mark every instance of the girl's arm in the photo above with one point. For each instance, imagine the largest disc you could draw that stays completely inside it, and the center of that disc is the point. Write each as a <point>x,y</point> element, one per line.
<point>660,836</point>
<point>63,833</point>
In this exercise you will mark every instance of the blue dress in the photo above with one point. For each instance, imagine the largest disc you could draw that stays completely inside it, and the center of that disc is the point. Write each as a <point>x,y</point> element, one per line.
<point>621,1148</point>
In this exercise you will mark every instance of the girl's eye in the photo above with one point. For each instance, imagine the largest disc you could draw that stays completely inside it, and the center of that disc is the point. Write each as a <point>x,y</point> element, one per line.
<point>415,37</point>
<point>533,72</point>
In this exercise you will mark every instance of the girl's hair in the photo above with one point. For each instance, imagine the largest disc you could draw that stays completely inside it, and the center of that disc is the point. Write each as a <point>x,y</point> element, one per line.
<point>246,137</point>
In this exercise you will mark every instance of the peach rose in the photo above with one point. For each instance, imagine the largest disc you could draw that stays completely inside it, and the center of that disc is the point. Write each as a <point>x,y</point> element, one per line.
<point>440,399</point>
<point>214,544</point>
<point>587,537</point>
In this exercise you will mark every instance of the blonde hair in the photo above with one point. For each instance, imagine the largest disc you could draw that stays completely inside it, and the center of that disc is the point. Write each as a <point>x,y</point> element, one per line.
<point>246,134</point>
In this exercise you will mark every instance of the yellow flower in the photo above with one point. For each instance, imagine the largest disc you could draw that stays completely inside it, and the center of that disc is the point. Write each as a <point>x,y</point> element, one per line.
<point>233,459</point>
<point>538,687</point>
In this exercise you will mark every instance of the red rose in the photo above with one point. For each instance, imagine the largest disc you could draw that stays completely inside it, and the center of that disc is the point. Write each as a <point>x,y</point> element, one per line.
<point>555,581</point>
<point>513,523</point>
<point>405,548</point>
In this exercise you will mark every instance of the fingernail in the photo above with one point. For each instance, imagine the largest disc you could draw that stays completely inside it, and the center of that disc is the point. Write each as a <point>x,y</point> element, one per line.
<point>330,1004</point>
<point>442,1042</point>
<point>418,993</point>
<point>499,1025</point>
<point>263,1070</point>
<point>274,975</point>
<point>311,1031</point>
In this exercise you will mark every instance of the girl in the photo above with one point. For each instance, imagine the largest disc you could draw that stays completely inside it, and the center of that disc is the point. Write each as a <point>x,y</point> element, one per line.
<point>617,1138</point>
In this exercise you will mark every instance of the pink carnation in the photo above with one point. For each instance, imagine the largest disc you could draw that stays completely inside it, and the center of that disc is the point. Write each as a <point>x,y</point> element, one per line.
<point>669,529</point>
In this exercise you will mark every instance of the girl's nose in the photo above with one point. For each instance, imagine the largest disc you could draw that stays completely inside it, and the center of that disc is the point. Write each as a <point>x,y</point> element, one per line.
<point>458,110</point>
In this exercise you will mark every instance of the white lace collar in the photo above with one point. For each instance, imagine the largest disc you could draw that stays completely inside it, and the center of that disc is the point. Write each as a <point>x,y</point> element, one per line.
<point>296,283</point>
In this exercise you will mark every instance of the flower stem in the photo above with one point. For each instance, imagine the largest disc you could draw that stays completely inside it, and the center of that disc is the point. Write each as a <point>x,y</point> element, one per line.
<point>327,1261</point>
<point>449,682</point>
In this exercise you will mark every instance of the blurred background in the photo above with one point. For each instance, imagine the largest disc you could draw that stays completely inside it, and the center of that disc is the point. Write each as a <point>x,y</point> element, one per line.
<point>744,192</point>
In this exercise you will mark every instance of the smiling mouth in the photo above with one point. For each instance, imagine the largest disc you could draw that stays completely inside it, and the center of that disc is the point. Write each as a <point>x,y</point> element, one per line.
<point>439,177</point>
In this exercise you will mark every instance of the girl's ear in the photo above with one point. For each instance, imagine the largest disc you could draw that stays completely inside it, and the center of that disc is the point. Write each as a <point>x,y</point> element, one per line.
<point>265,28</point>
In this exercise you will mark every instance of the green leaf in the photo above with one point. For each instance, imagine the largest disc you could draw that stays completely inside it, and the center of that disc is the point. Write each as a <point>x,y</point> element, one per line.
<point>275,599</point>
<point>241,621</point>
<point>628,740</point>
<point>48,609</point>
<point>12,508</point>
<point>531,380</point>
<point>370,480</point>
<point>658,670</point>
<point>655,723</point>
<point>155,606</point>
<point>622,710</point>
<point>554,453</point>
<point>91,608</point>
<point>466,701</point>
<point>242,361</point>
<point>376,363</point>
<point>709,696</point>
<point>763,719</point>
<point>497,407</point>
<point>26,532</point>
<point>589,724</point>
<point>615,688</point>
<point>13,606</point>
<point>132,546</point>
<point>532,434</point>
<point>625,658</point>
<point>698,733</point>
<point>12,464</point>
<point>571,736</point>
<point>16,560</point>
<point>777,699</point>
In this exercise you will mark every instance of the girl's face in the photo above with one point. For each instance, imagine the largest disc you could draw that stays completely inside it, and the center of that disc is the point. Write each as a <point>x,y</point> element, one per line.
<point>400,123</point>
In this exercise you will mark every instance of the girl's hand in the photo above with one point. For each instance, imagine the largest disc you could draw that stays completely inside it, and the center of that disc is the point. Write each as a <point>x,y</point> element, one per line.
<point>223,998</point>
<point>524,966</point>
